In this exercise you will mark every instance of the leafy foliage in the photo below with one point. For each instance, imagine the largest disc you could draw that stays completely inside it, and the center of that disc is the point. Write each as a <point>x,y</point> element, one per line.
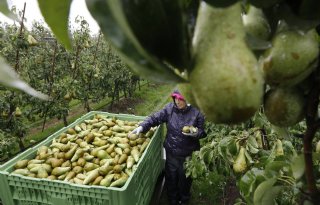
<point>90,72</point>
<point>274,175</point>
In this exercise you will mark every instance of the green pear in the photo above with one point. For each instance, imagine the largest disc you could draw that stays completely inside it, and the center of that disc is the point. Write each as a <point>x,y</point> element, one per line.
<point>67,96</point>
<point>32,41</point>
<point>256,24</point>
<point>290,59</point>
<point>284,107</point>
<point>240,164</point>
<point>186,129</point>
<point>279,148</point>
<point>225,79</point>
<point>17,112</point>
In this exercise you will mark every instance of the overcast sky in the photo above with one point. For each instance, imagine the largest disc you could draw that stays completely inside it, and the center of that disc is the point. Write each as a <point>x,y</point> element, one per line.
<point>78,8</point>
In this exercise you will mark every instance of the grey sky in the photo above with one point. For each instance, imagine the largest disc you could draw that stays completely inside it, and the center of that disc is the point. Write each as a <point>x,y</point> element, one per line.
<point>78,8</point>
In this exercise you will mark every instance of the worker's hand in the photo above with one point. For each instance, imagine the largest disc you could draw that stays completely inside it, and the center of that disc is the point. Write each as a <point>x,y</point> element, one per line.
<point>135,133</point>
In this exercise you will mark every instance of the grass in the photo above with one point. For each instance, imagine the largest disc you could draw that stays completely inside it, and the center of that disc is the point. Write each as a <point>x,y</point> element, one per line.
<point>37,137</point>
<point>153,99</point>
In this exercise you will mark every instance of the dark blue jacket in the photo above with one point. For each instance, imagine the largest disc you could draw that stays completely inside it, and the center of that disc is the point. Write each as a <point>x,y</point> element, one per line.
<point>176,143</point>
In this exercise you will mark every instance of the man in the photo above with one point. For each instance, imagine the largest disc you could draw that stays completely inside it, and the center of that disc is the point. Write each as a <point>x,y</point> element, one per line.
<point>178,145</point>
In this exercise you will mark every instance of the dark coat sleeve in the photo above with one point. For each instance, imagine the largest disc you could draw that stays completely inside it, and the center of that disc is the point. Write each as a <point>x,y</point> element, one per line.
<point>200,126</point>
<point>156,118</point>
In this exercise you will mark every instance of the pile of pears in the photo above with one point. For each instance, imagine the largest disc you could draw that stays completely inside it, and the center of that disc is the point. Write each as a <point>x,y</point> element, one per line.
<point>228,57</point>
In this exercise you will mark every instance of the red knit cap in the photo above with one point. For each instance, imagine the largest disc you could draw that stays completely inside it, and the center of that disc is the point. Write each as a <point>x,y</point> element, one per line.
<point>177,94</point>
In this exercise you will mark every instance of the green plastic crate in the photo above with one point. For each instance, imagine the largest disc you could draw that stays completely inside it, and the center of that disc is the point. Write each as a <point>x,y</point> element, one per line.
<point>138,190</point>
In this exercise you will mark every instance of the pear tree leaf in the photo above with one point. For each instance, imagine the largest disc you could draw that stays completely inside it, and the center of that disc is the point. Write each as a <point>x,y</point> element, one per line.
<point>272,154</point>
<point>9,78</point>
<point>252,140</point>
<point>316,156</point>
<point>289,148</point>
<point>262,189</point>
<point>248,157</point>
<point>114,25</point>
<point>168,33</point>
<point>223,149</point>
<point>274,167</point>
<point>249,181</point>
<point>5,10</point>
<point>298,167</point>
<point>56,15</point>
<point>232,147</point>
<point>282,132</point>
<point>270,195</point>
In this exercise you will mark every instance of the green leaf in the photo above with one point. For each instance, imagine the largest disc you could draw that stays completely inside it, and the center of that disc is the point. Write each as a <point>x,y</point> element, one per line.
<point>210,157</point>
<point>113,23</point>
<point>289,149</point>
<point>56,15</point>
<point>204,151</point>
<point>248,182</point>
<point>5,10</point>
<point>275,166</point>
<point>224,148</point>
<point>272,154</point>
<point>252,140</point>
<point>281,132</point>
<point>251,148</point>
<point>166,25</point>
<point>9,78</point>
<point>232,147</point>
<point>315,156</point>
<point>298,166</point>
<point>249,158</point>
<point>260,120</point>
<point>270,195</point>
<point>262,189</point>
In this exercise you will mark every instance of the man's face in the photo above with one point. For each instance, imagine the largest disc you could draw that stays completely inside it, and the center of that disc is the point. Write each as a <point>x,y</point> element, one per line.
<point>181,104</point>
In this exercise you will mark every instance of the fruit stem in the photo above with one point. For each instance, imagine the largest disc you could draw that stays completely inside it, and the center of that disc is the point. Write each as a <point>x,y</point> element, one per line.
<point>290,183</point>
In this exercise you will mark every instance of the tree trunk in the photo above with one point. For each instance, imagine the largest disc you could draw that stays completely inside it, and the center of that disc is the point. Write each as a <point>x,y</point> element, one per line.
<point>87,105</point>
<point>313,124</point>
<point>20,141</point>
<point>125,93</point>
<point>65,122</point>
<point>44,122</point>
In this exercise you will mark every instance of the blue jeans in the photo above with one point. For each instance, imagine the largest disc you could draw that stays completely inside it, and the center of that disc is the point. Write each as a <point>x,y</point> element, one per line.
<point>178,185</point>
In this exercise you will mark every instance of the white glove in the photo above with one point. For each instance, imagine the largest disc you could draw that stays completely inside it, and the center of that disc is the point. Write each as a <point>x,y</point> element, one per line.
<point>194,134</point>
<point>137,131</point>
